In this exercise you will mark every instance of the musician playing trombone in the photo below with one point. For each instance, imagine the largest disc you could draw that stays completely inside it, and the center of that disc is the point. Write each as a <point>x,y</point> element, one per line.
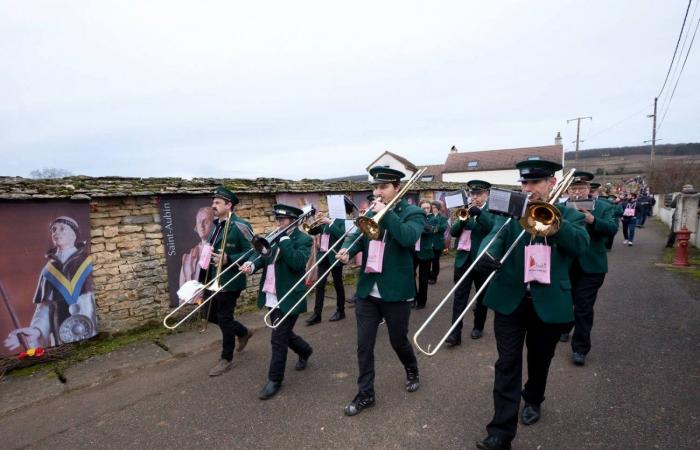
<point>533,312</point>
<point>386,287</point>
<point>222,306</point>
<point>329,230</point>
<point>469,235</point>
<point>285,264</point>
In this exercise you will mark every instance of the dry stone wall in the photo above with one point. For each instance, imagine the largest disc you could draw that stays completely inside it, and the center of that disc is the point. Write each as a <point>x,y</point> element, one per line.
<point>127,243</point>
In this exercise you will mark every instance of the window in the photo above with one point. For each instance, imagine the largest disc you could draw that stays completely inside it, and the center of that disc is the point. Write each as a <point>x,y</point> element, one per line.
<point>427,178</point>
<point>472,164</point>
<point>533,158</point>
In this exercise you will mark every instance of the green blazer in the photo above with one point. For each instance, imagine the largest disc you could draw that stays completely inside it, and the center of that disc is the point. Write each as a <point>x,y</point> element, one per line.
<point>289,257</point>
<point>426,246</point>
<point>335,230</point>
<point>552,302</point>
<point>403,225</point>
<point>595,259</point>
<point>236,245</point>
<point>481,226</point>
<point>440,224</point>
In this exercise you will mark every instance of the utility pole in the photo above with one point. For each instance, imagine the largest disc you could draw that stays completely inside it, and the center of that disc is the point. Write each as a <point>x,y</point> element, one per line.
<point>653,135</point>
<point>578,131</point>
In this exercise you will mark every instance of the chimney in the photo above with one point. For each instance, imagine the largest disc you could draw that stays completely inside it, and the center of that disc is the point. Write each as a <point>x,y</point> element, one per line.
<point>557,140</point>
<point>453,149</point>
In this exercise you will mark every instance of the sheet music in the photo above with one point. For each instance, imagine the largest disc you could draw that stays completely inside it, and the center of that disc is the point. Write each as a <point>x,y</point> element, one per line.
<point>336,206</point>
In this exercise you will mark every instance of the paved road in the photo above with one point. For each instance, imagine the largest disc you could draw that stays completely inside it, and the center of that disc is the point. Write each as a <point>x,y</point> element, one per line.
<point>640,388</point>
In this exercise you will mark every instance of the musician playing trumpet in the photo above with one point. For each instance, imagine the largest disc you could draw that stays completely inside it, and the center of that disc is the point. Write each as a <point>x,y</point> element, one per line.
<point>469,235</point>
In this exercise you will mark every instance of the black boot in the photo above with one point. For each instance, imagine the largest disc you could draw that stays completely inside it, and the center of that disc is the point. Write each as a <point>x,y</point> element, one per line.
<point>313,319</point>
<point>454,340</point>
<point>530,414</point>
<point>412,382</point>
<point>360,402</point>
<point>303,360</point>
<point>270,389</point>
<point>338,315</point>
<point>493,443</point>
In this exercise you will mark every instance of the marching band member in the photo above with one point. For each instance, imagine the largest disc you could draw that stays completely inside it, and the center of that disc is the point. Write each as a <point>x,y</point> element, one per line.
<point>439,224</point>
<point>330,232</point>
<point>223,304</point>
<point>469,234</point>
<point>386,284</point>
<point>588,270</point>
<point>281,269</point>
<point>528,309</point>
<point>424,257</point>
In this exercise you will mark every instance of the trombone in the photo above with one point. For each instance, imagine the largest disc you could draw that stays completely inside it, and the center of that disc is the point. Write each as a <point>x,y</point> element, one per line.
<point>541,219</point>
<point>368,226</point>
<point>212,285</point>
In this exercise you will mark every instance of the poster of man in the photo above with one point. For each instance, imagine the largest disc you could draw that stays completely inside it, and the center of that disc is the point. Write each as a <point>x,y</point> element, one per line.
<point>46,286</point>
<point>187,223</point>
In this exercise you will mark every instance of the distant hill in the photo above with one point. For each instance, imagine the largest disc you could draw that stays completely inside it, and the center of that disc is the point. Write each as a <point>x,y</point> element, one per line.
<point>666,149</point>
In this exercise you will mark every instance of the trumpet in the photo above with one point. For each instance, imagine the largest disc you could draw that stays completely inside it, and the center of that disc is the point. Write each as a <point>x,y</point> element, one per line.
<point>462,213</point>
<point>540,219</point>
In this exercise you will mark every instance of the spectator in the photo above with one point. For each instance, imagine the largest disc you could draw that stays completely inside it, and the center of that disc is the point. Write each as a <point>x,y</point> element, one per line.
<point>630,212</point>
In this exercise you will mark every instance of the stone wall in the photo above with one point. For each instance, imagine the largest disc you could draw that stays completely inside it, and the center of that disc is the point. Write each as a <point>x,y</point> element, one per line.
<point>127,244</point>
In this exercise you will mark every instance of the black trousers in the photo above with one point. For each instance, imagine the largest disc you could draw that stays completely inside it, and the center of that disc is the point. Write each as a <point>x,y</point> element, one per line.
<point>423,275</point>
<point>222,306</point>
<point>462,298</point>
<point>283,337</point>
<point>584,289</point>
<point>337,273</point>
<point>369,312</point>
<point>435,266</point>
<point>522,327</point>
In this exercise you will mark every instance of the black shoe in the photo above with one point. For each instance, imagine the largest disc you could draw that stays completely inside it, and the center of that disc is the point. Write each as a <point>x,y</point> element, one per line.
<point>564,337</point>
<point>269,390</point>
<point>493,443</point>
<point>360,402</point>
<point>453,341</point>
<point>413,304</point>
<point>432,281</point>
<point>420,306</point>
<point>530,414</point>
<point>243,341</point>
<point>579,359</point>
<point>476,334</point>
<point>313,319</point>
<point>338,315</point>
<point>301,364</point>
<point>412,381</point>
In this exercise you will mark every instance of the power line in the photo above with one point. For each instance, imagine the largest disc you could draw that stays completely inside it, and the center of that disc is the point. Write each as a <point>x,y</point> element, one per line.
<point>668,106</point>
<point>598,133</point>
<point>676,49</point>
<point>665,99</point>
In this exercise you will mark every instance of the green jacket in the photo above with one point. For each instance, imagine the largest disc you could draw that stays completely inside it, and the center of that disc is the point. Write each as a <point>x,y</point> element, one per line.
<point>335,230</point>
<point>403,226</point>
<point>553,302</point>
<point>595,259</point>
<point>481,226</point>
<point>236,245</point>
<point>426,246</point>
<point>440,224</point>
<point>289,257</point>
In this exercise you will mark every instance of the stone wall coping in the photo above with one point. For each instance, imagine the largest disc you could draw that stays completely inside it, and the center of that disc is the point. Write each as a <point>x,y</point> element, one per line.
<point>86,188</point>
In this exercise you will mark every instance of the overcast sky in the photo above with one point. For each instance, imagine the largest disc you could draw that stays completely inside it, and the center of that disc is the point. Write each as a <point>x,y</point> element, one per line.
<point>319,89</point>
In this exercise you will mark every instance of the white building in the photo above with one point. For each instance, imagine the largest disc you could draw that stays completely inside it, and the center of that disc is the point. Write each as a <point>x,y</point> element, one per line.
<point>394,161</point>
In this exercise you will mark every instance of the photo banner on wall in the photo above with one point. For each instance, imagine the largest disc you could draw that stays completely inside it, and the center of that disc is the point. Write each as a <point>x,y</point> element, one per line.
<point>186,223</point>
<point>47,293</point>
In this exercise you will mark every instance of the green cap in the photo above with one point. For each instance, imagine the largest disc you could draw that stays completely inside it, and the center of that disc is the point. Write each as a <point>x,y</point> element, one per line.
<point>478,185</point>
<point>595,185</point>
<point>222,192</point>
<point>581,177</point>
<point>281,210</point>
<point>537,169</point>
<point>385,175</point>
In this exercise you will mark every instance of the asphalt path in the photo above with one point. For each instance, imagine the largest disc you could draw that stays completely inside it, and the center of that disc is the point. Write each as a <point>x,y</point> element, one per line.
<point>640,387</point>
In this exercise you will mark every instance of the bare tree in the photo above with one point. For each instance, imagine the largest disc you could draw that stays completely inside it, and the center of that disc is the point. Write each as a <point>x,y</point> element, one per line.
<point>49,172</point>
<point>670,175</point>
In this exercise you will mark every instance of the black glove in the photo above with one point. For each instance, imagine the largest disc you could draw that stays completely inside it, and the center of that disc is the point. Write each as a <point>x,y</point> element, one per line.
<point>488,263</point>
<point>474,211</point>
<point>427,228</point>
